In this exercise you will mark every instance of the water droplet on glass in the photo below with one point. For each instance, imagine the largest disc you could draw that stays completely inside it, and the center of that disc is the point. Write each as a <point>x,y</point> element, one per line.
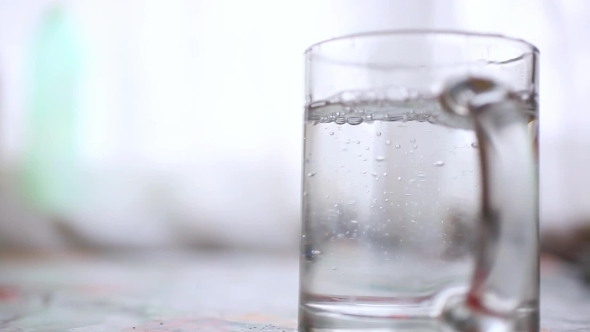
<point>415,146</point>
<point>399,178</point>
<point>311,174</point>
<point>388,142</point>
<point>475,145</point>
<point>397,146</point>
<point>331,133</point>
<point>439,163</point>
<point>413,140</point>
<point>358,142</point>
<point>378,133</point>
<point>384,174</point>
<point>379,158</point>
<point>353,221</point>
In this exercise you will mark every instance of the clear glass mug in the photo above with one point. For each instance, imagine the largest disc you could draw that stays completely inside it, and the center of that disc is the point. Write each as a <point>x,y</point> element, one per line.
<point>420,183</point>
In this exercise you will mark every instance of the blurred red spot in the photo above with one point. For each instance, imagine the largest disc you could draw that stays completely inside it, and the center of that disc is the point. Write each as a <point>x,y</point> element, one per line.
<point>9,293</point>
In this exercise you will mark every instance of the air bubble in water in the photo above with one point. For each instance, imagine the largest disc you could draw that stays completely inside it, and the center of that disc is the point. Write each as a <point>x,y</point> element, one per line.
<point>355,120</point>
<point>475,145</point>
<point>397,146</point>
<point>378,133</point>
<point>399,178</point>
<point>331,133</point>
<point>388,142</point>
<point>379,158</point>
<point>353,221</point>
<point>340,121</point>
<point>413,140</point>
<point>311,174</point>
<point>439,163</point>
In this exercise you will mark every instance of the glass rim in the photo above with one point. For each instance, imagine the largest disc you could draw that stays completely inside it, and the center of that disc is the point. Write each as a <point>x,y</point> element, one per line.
<point>427,32</point>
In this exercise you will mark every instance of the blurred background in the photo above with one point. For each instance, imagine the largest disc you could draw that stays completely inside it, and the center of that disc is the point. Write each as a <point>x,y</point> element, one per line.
<point>150,124</point>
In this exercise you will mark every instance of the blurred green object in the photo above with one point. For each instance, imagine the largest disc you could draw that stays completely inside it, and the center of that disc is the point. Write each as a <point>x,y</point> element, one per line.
<point>49,172</point>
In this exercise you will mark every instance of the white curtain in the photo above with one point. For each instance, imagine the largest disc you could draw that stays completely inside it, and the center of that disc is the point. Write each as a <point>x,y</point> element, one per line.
<point>191,110</point>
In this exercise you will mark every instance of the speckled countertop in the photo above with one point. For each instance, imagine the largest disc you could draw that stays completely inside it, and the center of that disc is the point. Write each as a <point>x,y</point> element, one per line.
<point>195,292</point>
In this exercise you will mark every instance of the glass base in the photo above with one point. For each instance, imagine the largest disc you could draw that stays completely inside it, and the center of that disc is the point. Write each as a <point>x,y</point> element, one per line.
<point>373,317</point>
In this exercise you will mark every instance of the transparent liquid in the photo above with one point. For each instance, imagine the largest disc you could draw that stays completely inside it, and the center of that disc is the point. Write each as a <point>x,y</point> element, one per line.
<point>391,196</point>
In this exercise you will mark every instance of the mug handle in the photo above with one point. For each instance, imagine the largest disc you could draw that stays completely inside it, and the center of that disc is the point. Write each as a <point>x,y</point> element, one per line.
<point>505,282</point>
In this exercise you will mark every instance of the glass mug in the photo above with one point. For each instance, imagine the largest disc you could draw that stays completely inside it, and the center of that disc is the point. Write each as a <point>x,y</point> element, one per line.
<point>420,204</point>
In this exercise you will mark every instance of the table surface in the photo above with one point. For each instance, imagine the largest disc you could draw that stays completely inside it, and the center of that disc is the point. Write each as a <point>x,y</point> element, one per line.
<point>196,292</point>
